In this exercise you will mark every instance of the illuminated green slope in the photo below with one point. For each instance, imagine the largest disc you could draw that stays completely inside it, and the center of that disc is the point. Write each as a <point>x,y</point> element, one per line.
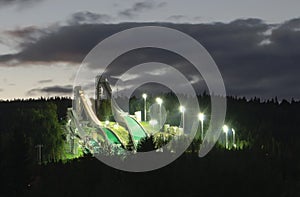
<point>136,129</point>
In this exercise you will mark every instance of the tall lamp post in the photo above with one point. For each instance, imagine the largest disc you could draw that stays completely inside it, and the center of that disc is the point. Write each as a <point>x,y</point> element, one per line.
<point>39,153</point>
<point>233,138</point>
<point>225,130</point>
<point>182,110</point>
<point>145,110</point>
<point>201,118</point>
<point>159,102</point>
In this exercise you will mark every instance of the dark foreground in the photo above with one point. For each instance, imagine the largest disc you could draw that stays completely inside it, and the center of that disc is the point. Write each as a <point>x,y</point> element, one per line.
<point>269,166</point>
<point>221,173</point>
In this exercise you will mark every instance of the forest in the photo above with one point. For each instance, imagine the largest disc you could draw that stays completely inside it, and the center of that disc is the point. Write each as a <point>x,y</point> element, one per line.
<point>268,166</point>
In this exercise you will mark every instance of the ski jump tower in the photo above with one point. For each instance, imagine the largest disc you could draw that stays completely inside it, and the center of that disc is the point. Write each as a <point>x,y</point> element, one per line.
<point>103,92</point>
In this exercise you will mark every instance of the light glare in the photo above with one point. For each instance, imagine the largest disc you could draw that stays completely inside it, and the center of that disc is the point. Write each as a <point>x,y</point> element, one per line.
<point>201,116</point>
<point>159,100</point>
<point>225,128</point>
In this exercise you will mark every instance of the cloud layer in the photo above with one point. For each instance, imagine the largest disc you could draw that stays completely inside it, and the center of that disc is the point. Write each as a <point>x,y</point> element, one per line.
<point>255,58</point>
<point>140,7</point>
<point>88,18</point>
<point>51,90</point>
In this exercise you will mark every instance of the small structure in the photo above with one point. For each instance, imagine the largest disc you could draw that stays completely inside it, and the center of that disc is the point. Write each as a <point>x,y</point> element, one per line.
<point>138,115</point>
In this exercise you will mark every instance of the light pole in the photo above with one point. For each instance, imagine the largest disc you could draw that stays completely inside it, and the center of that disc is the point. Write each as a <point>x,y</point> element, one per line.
<point>225,130</point>
<point>145,110</point>
<point>233,138</point>
<point>39,153</point>
<point>201,118</point>
<point>159,101</point>
<point>182,110</point>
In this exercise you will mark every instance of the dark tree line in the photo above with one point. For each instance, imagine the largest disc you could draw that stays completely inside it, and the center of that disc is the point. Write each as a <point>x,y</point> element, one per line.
<point>24,124</point>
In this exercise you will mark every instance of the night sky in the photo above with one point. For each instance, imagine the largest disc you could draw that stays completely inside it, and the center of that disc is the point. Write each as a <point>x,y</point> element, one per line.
<point>255,44</point>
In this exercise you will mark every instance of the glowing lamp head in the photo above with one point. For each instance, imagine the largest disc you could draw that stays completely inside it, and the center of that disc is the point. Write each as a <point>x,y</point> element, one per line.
<point>201,116</point>
<point>225,129</point>
<point>144,96</point>
<point>182,109</point>
<point>159,100</point>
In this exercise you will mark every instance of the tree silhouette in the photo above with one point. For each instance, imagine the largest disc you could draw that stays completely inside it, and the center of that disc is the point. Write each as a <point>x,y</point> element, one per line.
<point>146,144</point>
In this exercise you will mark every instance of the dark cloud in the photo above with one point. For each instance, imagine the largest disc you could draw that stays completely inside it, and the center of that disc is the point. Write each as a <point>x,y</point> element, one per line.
<point>139,7</point>
<point>50,90</point>
<point>26,35</point>
<point>72,43</point>
<point>45,81</point>
<point>249,67</point>
<point>69,44</point>
<point>24,32</point>
<point>88,18</point>
<point>291,24</point>
<point>8,57</point>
